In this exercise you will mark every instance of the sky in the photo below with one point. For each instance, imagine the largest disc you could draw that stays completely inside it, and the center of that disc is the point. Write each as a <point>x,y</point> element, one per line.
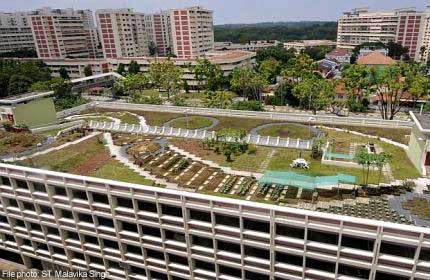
<point>229,11</point>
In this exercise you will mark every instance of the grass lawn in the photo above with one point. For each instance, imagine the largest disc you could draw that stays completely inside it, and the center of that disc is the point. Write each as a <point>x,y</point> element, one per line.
<point>247,162</point>
<point>283,157</point>
<point>128,118</point>
<point>285,131</point>
<point>193,122</point>
<point>115,170</point>
<point>418,206</point>
<point>400,135</point>
<point>240,123</point>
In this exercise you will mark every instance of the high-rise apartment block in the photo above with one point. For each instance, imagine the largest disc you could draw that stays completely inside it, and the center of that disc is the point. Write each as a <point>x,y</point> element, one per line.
<point>15,32</point>
<point>159,33</point>
<point>61,33</point>
<point>122,33</point>
<point>408,27</point>
<point>192,32</point>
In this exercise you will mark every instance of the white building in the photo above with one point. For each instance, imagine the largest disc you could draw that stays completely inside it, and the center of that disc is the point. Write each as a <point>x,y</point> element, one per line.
<point>136,232</point>
<point>122,33</point>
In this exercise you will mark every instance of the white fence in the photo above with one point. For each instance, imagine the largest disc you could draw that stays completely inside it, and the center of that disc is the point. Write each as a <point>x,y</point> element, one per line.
<point>283,117</point>
<point>199,134</point>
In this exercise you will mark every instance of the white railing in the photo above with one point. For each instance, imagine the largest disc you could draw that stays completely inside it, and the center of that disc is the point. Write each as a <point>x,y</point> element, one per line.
<point>284,117</point>
<point>199,134</point>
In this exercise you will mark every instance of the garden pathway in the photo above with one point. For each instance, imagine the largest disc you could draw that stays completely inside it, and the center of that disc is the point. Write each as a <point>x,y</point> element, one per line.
<point>122,157</point>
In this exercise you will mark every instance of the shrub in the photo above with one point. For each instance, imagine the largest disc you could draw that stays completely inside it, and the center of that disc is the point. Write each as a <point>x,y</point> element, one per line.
<point>247,106</point>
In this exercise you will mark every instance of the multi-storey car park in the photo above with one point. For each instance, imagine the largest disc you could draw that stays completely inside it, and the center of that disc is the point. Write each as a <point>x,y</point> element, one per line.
<point>182,229</point>
<point>141,232</point>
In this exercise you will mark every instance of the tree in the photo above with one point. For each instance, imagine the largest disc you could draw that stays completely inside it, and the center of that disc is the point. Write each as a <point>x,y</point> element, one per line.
<point>318,52</point>
<point>133,84</point>
<point>121,69</point>
<point>166,75</point>
<point>315,92</point>
<point>88,71</point>
<point>366,160</point>
<point>153,49</point>
<point>270,68</point>
<point>389,84</point>
<point>278,53</point>
<point>219,99</point>
<point>248,82</point>
<point>356,79</point>
<point>422,52</point>
<point>419,87</point>
<point>300,68</point>
<point>18,84</point>
<point>381,160</point>
<point>63,73</point>
<point>207,74</point>
<point>133,67</point>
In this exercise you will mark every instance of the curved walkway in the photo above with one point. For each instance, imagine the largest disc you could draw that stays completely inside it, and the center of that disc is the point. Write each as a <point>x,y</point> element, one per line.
<point>315,131</point>
<point>215,122</point>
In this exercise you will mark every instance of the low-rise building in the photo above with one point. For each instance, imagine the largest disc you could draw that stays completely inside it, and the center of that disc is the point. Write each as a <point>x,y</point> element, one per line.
<point>419,143</point>
<point>227,61</point>
<point>301,45</point>
<point>31,109</point>
<point>251,46</point>
<point>343,56</point>
<point>375,59</point>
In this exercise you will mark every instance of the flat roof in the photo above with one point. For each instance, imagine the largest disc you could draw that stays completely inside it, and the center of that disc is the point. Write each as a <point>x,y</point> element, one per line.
<point>78,80</point>
<point>422,121</point>
<point>25,97</point>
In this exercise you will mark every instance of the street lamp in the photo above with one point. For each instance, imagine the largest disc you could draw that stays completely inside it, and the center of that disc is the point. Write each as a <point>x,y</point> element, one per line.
<point>311,119</point>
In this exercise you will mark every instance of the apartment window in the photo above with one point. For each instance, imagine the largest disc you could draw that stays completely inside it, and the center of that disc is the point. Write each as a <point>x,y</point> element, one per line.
<point>322,237</point>
<point>20,184</point>
<point>66,214</point>
<point>124,202</point>
<point>134,249</point>
<point>147,206</point>
<point>78,256</point>
<point>12,203</point>
<point>38,187</point>
<point>397,250</point>
<point>255,276</point>
<point>85,218</point>
<point>154,254</point>
<point>91,239</point>
<point>53,231</point>
<point>129,227</point>
<point>96,260</point>
<point>100,198</point>
<point>35,227</point>
<point>19,223</point>
<point>201,241</point>
<point>28,206</point>
<point>80,195</point>
<point>171,210</point>
<point>26,242</point>
<point>3,219</point>
<point>228,246</point>
<point>353,271</point>
<point>4,181</point>
<point>110,244</point>
<point>158,276</point>
<point>357,243</point>
<point>289,259</point>
<point>113,264</point>
<point>105,222</point>
<point>230,271</point>
<point>60,191</point>
<point>151,231</point>
<point>45,210</point>
<point>227,220</point>
<point>290,231</point>
<point>72,235</point>
<point>200,215</point>
<point>173,235</point>
<point>258,253</point>
<point>320,265</point>
<point>204,265</point>
<point>137,270</point>
<point>256,225</point>
<point>425,254</point>
<point>58,250</point>
<point>178,259</point>
<point>384,276</point>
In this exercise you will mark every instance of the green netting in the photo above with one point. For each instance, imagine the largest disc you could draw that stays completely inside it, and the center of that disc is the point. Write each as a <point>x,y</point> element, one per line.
<point>303,181</point>
<point>340,156</point>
